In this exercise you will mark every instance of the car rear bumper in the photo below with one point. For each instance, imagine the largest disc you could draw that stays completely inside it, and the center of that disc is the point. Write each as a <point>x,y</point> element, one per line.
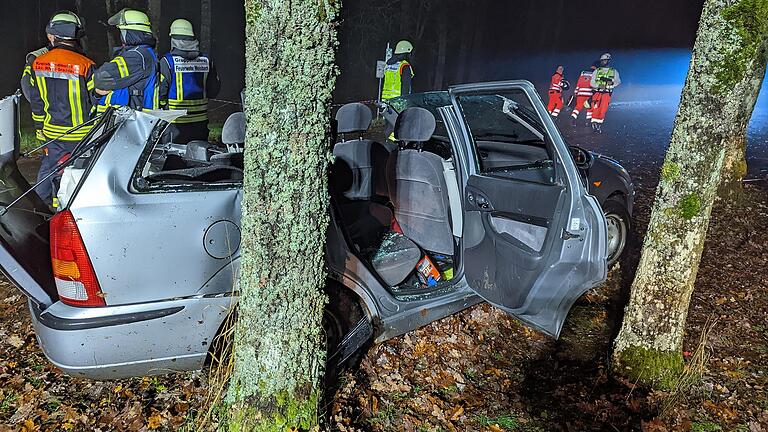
<point>135,340</point>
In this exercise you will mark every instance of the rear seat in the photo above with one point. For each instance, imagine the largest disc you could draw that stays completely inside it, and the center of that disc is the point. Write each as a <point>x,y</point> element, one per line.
<point>359,173</point>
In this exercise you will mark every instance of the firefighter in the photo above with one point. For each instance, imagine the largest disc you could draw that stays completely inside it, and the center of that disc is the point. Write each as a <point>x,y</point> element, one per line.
<point>604,81</point>
<point>189,78</point>
<point>556,87</point>
<point>27,87</point>
<point>398,75</point>
<point>131,78</point>
<point>62,94</point>
<point>583,95</point>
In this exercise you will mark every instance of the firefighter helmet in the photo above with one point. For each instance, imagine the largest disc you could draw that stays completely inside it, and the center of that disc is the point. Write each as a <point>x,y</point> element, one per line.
<point>403,47</point>
<point>131,19</point>
<point>65,25</point>
<point>606,56</point>
<point>182,27</point>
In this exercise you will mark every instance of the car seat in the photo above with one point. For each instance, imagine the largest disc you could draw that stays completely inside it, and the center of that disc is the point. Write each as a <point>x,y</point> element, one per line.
<point>417,184</point>
<point>359,177</point>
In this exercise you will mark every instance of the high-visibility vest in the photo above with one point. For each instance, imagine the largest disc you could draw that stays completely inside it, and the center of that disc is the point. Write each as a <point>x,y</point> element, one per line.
<point>556,84</point>
<point>584,85</point>
<point>393,79</point>
<point>144,95</point>
<point>604,77</point>
<point>187,89</point>
<point>64,80</point>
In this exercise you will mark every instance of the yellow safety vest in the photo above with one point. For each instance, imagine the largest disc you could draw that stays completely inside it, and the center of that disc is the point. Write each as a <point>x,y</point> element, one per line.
<point>393,80</point>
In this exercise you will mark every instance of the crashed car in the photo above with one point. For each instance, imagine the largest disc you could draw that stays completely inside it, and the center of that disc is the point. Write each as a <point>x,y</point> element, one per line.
<point>479,198</point>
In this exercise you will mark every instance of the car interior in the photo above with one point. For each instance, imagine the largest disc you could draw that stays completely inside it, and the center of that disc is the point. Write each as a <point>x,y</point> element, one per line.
<point>399,200</point>
<point>200,162</point>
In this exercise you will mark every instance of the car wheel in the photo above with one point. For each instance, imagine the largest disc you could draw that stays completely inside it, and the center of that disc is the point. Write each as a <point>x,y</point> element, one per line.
<point>619,228</point>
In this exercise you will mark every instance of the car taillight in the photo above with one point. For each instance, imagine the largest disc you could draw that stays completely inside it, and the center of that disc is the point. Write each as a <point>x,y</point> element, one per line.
<point>73,272</point>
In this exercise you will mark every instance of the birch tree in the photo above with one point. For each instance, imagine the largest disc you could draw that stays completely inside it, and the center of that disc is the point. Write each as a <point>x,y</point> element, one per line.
<point>278,344</point>
<point>724,78</point>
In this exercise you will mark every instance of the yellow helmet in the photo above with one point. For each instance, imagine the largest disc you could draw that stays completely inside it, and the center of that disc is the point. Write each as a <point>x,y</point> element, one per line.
<point>182,27</point>
<point>131,19</point>
<point>65,25</point>
<point>403,47</point>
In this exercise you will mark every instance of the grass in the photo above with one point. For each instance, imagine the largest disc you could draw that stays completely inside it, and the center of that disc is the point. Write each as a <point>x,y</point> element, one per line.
<point>28,140</point>
<point>506,422</point>
<point>705,427</point>
<point>215,128</point>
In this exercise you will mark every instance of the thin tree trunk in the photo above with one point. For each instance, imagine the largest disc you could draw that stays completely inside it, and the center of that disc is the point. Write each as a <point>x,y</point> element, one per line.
<point>278,347</point>
<point>205,25</point>
<point>468,29</point>
<point>442,50</point>
<point>726,70</point>
<point>111,41</point>
<point>155,12</point>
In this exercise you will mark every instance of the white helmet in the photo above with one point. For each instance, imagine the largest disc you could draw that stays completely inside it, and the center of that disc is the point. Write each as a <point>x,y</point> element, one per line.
<point>606,56</point>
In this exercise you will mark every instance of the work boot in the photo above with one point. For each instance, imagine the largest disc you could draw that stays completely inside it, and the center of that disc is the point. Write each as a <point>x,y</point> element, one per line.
<point>573,121</point>
<point>598,128</point>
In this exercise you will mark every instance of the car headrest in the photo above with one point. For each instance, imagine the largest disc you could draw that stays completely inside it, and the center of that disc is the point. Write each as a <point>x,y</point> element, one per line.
<point>415,124</point>
<point>234,129</point>
<point>353,117</point>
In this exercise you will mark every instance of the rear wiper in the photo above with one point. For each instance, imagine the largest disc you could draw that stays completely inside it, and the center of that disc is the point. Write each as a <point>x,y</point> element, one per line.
<point>542,163</point>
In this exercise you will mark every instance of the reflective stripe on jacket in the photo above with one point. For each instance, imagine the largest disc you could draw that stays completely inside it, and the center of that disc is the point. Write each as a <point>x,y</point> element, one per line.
<point>557,83</point>
<point>187,86</point>
<point>64,84</point>
<point>393,79</point>
<point>132,78</point>
<point>583,86</point>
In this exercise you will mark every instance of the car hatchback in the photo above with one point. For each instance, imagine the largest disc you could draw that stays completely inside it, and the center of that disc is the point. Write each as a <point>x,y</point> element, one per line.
<point>478,198</point>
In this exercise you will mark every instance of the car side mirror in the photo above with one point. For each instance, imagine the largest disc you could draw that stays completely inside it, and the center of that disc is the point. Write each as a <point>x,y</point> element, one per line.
<point>10,140</point>
<point>582,158</point>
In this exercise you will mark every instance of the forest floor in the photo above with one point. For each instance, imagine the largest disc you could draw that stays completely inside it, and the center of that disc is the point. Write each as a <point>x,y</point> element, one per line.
<point>480,370</point>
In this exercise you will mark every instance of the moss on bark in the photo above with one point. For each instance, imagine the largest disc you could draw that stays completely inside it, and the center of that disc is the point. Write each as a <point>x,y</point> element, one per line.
<point>649,367</point>
<point>279,348</point>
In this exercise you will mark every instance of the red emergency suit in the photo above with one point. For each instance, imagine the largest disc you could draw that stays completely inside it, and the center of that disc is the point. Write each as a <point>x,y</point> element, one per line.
<point>583,95</point>
<point>555,95</point>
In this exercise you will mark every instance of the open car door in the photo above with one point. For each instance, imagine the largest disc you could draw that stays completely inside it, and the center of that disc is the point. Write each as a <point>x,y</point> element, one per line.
<point>24,237</point>
<point>534,240</point>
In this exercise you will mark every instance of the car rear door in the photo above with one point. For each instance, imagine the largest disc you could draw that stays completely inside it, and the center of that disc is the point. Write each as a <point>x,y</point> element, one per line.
<point>534,240</point>
<point>24,242</point>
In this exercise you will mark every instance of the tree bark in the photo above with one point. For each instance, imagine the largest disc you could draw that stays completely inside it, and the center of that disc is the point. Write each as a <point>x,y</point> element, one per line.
<point>279,348</point>
<point>442,50</point>
<point>155,12</point>
<point>726,70</point>
<point>205,25</point>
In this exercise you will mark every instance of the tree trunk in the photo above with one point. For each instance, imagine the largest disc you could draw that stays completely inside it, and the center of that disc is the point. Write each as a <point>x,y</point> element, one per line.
<point>734,169</point>
<point>155,12</point>
<point>205,25</point>
<point>442,49</point>
<point>726,70</point>
<point>468,29</point>
<point>111,41</point>
<point>279,348</point>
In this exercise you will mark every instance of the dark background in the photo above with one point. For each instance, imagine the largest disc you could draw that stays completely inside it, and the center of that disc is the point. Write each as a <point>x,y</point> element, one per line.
<point>456,41</point>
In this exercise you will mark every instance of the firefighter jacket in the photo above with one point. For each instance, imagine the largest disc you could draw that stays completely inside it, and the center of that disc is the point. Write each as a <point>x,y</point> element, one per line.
<point>188,79</point>
<point>132,78</point>
<point>63,92</point>
<point>584,84</point>
<point>397,78</point>
<point>28,86</point>
<point>605,79</point>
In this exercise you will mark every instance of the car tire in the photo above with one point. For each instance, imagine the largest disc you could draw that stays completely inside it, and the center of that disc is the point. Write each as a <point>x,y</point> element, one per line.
<point>619,228</point>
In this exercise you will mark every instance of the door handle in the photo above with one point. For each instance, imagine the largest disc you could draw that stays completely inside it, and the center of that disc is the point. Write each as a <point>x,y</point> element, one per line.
<point>483,203</point>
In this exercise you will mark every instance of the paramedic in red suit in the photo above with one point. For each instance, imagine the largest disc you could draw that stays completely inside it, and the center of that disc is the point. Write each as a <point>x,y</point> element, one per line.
<point>556,87</point>
<point>604,81</point>
<point>582,96</point>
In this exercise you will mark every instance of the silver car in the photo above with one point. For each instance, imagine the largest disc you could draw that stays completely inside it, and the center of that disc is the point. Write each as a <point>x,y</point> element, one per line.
<point>478,199</point>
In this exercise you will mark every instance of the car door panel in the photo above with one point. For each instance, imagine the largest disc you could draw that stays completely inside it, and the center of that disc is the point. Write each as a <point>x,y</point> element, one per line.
<point>24,242</point>
<point>532,244</point>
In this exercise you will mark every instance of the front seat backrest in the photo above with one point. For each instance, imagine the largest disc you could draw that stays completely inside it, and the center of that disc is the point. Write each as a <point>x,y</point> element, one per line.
<point>417,185</point>
<point>233,132</point>
<point>365,159</point>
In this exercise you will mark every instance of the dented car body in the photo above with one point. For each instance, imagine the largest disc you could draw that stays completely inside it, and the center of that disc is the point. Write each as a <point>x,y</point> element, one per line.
<point>137,271</point>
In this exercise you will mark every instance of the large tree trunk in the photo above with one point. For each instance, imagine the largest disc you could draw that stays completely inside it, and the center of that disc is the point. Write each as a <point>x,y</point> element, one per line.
<point>279,348</point>
<point>726,71</point>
